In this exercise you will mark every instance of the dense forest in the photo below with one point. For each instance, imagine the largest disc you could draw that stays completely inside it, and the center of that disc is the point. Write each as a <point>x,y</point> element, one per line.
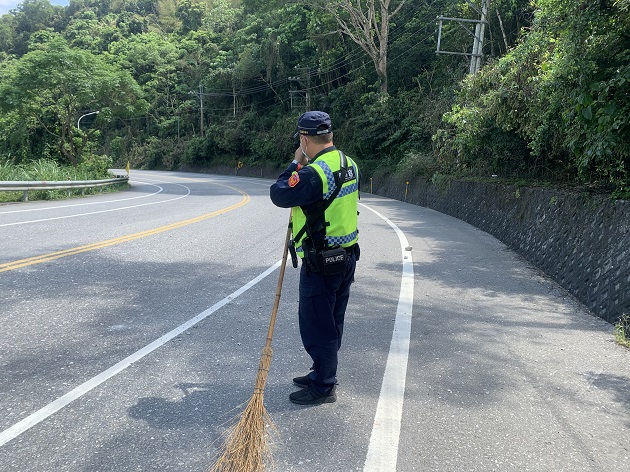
<point>198,83</point>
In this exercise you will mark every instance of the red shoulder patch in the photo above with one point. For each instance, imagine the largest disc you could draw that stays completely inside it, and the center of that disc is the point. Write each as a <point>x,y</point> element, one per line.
<point>294,179</point>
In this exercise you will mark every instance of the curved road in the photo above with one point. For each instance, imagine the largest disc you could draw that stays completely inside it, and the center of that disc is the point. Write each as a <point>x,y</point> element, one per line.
<point>132,325</point>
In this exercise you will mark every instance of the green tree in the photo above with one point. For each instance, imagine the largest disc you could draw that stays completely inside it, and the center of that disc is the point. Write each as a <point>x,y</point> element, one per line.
<point>7,34</point>
<point>222,17</point>
<point>83,31</point>
<point>167,15</point>
<point>46,91</point>
<point>32,16</point>
<point>191,14</point>
<point>155,62</point>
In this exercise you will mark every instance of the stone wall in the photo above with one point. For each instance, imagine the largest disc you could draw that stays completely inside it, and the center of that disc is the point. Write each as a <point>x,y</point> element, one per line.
<point>581,241</point>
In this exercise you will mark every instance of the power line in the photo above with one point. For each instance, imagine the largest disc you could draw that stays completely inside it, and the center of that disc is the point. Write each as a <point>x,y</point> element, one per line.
<point>340,63</point>
<point>347,61</point>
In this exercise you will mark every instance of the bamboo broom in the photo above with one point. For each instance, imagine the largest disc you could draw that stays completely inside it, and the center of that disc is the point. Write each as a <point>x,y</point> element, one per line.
<point>246,447</point>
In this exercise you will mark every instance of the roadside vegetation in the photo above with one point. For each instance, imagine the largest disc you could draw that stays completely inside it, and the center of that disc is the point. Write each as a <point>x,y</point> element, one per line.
<point>50,170</point>
<point>622,331</point>
<point>197,84</point>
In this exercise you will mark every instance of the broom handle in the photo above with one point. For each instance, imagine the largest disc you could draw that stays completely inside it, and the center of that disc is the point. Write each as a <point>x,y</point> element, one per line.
<point>276,302</point>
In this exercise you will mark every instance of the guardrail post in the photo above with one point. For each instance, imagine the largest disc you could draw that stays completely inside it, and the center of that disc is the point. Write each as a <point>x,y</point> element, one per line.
<point>25,196</point>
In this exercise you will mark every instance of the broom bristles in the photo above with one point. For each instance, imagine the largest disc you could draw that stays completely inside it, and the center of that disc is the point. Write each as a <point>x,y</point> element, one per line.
<point>246,447</point>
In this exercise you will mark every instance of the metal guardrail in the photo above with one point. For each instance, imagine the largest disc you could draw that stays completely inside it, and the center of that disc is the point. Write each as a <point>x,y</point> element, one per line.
<point>26,186</point>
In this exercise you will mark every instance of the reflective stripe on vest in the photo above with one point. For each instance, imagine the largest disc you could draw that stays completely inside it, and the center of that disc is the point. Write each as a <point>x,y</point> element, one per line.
<point>342,212</point>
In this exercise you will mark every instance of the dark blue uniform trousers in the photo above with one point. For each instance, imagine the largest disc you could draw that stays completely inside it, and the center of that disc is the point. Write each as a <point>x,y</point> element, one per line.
<point>322,308</point>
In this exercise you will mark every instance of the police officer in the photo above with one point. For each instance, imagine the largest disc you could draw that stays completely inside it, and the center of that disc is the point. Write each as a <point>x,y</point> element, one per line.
<point>321,186</point>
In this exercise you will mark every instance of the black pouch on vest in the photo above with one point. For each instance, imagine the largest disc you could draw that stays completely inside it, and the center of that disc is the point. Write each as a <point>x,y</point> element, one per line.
<point>333,261</point>
<point>294,259</point>
<point>311,256</point>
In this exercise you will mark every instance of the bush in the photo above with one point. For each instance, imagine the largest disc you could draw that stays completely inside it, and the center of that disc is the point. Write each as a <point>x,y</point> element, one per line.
<point>414,164</point>
<point>276,145</point>
<point>95,167</point>
<point>555,107</point>
<point>622,330</point>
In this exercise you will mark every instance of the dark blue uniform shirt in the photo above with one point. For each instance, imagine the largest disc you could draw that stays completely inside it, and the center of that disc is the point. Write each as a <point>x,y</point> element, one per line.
<point>307,191</point>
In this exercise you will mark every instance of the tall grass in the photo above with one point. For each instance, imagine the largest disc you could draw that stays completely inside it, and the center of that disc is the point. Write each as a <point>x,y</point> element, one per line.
<point>6,171</point>
<point>622,331</point>
<point>48,170</point>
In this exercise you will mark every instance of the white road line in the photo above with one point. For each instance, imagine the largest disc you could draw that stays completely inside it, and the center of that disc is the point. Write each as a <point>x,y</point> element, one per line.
<point>101,202</point>
<point>382,452</point>
<point>100,211</point>
<point>50,409</point>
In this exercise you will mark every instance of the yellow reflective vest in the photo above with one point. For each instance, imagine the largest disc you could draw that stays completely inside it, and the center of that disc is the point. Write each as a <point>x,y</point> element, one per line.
<point>341,215</point>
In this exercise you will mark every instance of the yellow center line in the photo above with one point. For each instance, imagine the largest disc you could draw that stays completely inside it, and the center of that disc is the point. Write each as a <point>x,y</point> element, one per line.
<point>122,239</point>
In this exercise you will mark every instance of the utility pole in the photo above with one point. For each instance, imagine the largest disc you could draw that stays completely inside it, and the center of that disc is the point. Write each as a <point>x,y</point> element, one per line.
<point>200,95</point>
<point>234,98</point>
<point>304,82</point>
<point>201,109</point>
<point>307,74</point>
<point>480,29</point>
<point>478,35</point>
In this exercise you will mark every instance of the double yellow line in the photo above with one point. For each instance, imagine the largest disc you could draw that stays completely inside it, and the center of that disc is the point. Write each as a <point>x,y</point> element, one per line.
<point>123,239</point>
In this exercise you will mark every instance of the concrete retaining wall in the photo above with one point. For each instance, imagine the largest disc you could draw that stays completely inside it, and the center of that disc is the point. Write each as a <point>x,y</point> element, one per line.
<point>581,241</point>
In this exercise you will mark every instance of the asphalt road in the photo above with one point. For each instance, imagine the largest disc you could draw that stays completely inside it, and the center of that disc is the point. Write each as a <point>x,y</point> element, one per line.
<point>132,325</point>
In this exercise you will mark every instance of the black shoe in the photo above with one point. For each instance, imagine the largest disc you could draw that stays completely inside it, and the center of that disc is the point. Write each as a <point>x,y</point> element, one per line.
<point>302,382</point>
<point>310,396</point>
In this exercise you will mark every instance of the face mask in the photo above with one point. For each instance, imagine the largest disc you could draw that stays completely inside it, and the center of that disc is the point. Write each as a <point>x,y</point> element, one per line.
<point>302,149</point>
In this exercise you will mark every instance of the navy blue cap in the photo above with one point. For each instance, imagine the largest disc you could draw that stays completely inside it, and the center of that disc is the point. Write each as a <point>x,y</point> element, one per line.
<point>314,123</point>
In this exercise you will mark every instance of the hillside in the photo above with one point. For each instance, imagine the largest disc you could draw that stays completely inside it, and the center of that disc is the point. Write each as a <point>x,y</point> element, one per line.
<point>186,83</point>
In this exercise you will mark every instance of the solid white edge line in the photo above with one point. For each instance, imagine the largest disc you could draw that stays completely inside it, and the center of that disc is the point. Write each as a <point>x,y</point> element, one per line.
<point>382,452</point>
<point>40,415</point>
